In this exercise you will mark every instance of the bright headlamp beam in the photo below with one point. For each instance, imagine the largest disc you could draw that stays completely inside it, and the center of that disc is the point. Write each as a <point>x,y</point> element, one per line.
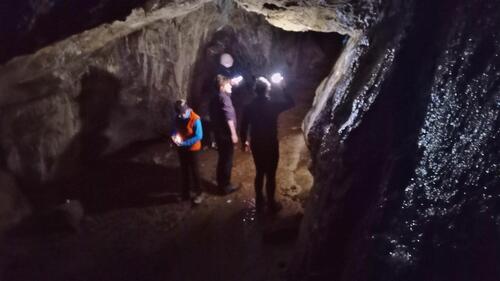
<point>236,80</point>
<point>226,60</point>
<point>276,78</point>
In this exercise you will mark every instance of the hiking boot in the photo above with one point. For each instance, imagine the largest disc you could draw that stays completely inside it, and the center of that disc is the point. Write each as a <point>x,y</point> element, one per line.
<point>198,199</point>
<point>213,145</point>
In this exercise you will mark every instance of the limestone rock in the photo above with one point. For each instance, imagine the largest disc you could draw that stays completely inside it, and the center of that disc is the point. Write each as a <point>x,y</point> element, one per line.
<point>345,17</point>
<point>96,92</point>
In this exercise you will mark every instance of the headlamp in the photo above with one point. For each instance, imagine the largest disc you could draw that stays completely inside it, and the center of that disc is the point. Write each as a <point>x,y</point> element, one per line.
<point>236,80</point>
<point>277,78</point>
<point>226,60</point>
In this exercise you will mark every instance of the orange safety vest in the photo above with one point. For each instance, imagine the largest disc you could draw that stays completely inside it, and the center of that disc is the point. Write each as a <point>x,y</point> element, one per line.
<point>186,131</point>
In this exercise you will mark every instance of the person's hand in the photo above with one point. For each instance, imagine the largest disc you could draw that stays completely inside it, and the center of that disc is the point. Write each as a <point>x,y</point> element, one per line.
<point>245,147</point>
<point>176,140</point>
<point>234,138</point>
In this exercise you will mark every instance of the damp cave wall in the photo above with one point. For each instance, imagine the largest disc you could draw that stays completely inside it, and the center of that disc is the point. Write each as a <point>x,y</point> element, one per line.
<point>404,137</point>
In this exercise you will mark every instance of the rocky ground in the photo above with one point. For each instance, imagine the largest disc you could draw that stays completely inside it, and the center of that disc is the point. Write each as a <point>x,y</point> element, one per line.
<point>135,228</point>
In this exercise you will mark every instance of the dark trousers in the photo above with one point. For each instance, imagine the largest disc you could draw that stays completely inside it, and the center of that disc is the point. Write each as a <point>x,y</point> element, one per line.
<point>265,157</point>
<point>207,133</point>
<point>225,148</point>
<point>189,170</point>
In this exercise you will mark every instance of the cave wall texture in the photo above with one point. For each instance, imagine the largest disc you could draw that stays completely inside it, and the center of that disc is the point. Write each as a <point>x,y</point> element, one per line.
<point>405,147</point>
<point>403,133</point>
<point>98,91</point>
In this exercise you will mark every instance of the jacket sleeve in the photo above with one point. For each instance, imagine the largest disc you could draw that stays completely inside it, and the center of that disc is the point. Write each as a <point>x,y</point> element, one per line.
<point>227,108</point>
<point>198,134</point>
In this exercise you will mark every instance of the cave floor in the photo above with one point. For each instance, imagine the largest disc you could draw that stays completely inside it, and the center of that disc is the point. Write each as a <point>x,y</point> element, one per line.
<point>135,228</point>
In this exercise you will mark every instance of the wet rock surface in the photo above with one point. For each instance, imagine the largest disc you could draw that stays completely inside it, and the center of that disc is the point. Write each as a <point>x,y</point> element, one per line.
<point>345,17</point>
<point>405,151</point>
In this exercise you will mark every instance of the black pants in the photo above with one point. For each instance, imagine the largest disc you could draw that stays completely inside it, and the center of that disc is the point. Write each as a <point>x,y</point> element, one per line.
<point>265,157</point>
<point>189,170</point>
<point>225,148</point>
<point>207,133</point>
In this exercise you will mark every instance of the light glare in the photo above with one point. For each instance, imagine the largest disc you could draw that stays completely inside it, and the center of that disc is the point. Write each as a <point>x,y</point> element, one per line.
<point>226,60</point>
<point>236,80</point>
<point>177,138</point>
<point>276,78</point>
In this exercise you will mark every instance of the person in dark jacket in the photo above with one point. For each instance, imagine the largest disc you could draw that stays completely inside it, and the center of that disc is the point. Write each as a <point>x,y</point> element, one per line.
<point>260,117</point>
<point>223,118</point>
<point>186,135</point>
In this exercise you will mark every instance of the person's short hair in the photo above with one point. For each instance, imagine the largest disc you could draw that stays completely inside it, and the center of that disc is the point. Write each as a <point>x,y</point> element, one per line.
<point>262,86</point>
<point>181,106</point>
<point>221,80</point>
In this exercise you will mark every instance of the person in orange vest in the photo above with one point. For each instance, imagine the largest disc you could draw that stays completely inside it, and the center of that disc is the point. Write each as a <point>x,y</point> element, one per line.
<point>186,135</point>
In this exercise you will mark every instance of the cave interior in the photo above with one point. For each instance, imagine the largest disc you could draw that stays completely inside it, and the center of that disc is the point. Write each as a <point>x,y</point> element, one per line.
<point>389,160</point>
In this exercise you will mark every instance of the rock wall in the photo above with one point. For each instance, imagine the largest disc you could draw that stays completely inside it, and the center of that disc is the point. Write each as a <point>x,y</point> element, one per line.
<point>13,204</point>
<point>403,133</point>
<point>96,92</point>
<point>341,16</point>
<point>27,26</point>
<point>404,140</point>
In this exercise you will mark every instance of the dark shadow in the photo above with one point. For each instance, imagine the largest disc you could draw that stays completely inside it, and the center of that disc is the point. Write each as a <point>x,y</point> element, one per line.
<point>136,148</point>
<point>112,184</point>
<point>210,187</point>
<point>99,94</point>
<point>207,67</point>
<point>100,180</point>
<point>116,181</point>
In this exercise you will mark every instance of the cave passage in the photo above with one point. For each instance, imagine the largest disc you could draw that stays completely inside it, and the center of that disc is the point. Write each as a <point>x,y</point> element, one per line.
<point>130,196</point>
<point>397,121</point>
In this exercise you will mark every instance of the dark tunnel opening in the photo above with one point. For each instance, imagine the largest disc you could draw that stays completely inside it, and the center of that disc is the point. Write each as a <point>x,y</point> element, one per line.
<point>304,58</point>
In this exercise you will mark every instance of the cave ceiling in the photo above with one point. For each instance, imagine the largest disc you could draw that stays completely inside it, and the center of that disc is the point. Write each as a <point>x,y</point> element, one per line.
<point>26,26</point>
